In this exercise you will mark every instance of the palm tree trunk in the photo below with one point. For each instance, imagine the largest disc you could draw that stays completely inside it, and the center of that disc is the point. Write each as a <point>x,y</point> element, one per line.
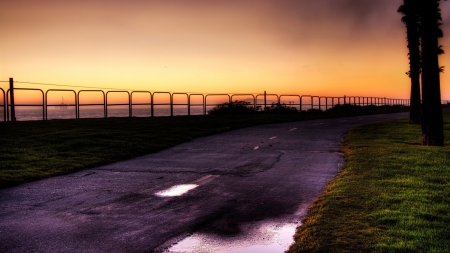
<point>411,20</point>
<point>415,103</point>
<point>432,122</point>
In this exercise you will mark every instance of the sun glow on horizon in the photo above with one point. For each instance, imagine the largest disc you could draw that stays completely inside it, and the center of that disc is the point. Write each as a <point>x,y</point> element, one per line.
<point>282,47</point>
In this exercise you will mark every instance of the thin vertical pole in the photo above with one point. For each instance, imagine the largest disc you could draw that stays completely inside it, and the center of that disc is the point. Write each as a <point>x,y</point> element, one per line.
<point>320,108</point>
<point>204,104</point>
<point>151,104</point>
<point>344,102</point>
<point>171,105</point>
<point>265,100</point>
<point>189,105</point>
<point>130,106</point>
<point>11,94</point>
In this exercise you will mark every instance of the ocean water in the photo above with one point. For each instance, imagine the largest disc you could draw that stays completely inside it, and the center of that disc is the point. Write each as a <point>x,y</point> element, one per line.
<point>31,112</point>
<point>27,113</point>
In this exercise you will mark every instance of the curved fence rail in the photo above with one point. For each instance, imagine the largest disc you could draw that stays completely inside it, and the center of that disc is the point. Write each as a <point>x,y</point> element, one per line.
<point>3,105</point>
<point>148,104</point>
<point>118,104</point>
<point>190,104</point>
<point>62,104</point>
<point>9,97</point>
<point>79,104</point>
<point>148,101</point>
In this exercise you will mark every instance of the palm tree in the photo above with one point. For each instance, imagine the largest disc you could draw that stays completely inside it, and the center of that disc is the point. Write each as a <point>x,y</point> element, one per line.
<point>432,122</point>
<point>411,21</point>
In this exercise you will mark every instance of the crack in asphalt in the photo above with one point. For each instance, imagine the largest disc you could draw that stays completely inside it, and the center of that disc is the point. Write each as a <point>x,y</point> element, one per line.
<point>254,167</point>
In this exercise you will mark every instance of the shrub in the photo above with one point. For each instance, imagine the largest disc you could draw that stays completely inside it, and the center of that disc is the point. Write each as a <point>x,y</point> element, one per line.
<point>280,108</point>
<point>236,107</point>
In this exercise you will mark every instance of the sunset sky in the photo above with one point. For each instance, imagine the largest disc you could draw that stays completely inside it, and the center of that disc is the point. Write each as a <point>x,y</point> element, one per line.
<point>316,47</point>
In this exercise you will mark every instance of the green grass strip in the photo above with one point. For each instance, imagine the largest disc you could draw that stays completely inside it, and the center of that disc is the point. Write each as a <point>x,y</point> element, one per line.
<point>392,195</point>
<point>33,150</point>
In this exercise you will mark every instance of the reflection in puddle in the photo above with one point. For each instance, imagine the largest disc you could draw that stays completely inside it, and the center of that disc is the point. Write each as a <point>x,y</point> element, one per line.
<point>188,244</point>
<point>267,238</point>
<point>260,249</point>
<point>176,190</point>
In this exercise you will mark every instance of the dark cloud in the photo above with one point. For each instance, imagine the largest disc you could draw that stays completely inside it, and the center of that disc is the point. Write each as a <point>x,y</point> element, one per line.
<point>291,22</point>
<point>354,13</point>
<point>309,22</point>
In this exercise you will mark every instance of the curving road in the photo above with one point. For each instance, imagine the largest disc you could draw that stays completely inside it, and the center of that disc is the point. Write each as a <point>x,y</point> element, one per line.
<point>268,173</point>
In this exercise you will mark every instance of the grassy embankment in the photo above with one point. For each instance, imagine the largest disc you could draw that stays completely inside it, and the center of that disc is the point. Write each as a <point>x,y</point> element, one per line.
<point>391,196</point>
<point>35,150</point>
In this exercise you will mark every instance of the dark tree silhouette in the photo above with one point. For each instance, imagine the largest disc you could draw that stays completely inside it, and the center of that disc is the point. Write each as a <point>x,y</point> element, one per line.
<point>411,20</point>
<point>432,122</point>
<point>236,107</point>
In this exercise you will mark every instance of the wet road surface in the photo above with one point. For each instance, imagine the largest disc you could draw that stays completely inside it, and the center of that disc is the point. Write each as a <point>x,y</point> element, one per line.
<point>234,184</point>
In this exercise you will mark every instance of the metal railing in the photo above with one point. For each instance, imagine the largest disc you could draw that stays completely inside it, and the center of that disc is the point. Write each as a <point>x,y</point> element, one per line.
<point>190,104</point>
<point>205,103</point>
<point>118,104</point>
<point>68,105</point>
<point>265,95</point>
<point>8,103</point>
<point>169,100</point>
<point>178,104</point>
<point>149,104</point>
<point>78,104</point>
<point>3,105</point>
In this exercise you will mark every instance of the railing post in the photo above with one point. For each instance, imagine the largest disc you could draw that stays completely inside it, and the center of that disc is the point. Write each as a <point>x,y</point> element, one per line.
<point>189,105</point>
<point>345,103</point>
<point>204,104</point>
<point>151,104</point>
<point>320,109</point>
<point>105,108</point>
<point>171,104</point>
<point>130,110</point>
<point>11,94</point>
<point>265,101</point>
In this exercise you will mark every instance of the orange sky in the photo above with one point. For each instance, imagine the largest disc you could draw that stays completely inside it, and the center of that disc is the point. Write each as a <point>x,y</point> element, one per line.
<point>316,47</point>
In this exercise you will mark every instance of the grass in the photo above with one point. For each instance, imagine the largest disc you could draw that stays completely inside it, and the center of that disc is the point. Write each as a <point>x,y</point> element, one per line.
<point>33,150</point>
<point>391,195</point>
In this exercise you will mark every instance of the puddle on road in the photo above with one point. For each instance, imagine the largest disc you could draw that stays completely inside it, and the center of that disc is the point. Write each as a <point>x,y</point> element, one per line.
<point>176,190</point>
<point>267,238</point>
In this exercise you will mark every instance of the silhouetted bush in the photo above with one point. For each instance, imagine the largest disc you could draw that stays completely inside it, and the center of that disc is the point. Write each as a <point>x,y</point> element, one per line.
<point>236,107</point>
<point>280,108</point>
<point>366,108</point>
<point>243,107</point>
<point>347,108</point>
<point>314,111</point>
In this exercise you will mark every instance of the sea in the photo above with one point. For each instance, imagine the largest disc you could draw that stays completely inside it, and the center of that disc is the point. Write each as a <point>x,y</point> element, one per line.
<point>28,113</point>
<point>65,111</point>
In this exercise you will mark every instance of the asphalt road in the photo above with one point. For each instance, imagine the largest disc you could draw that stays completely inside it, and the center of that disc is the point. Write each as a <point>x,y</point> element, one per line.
<point>261,173</point>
